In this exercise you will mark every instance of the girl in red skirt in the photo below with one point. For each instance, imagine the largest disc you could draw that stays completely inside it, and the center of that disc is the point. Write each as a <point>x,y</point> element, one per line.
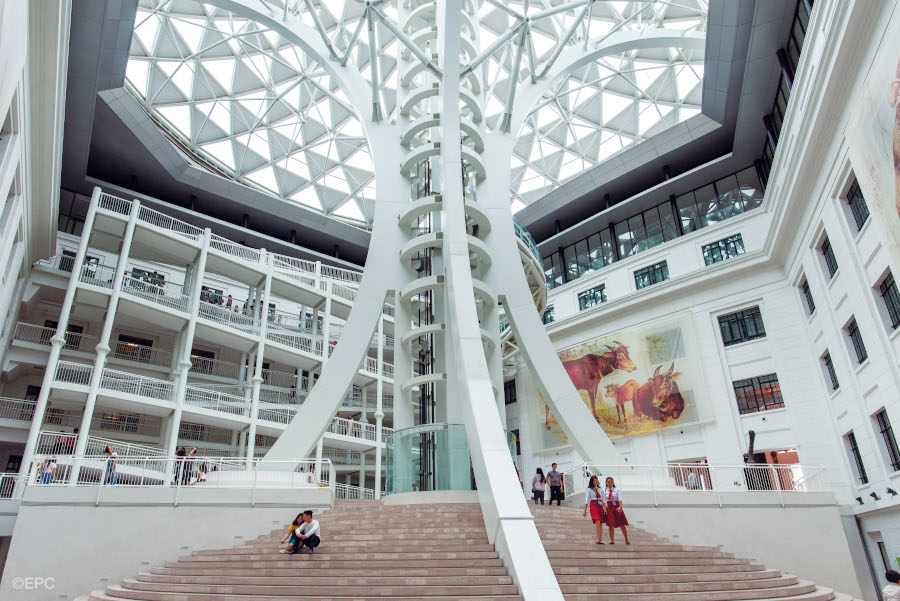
<point>593,499</point>
<point>615,517</point>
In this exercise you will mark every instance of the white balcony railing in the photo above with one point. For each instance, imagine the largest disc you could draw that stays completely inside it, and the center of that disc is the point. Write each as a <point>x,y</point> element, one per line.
<point>215,367</point>
<point>7,485</point>
<point>115,204</point>
<point>130,423</point>
<point>280,414</point>
<point>62,444</point>
<point>348,491</point>
<point>234,249</point>
<point>167,294</point>
<point>142,386</point>
<point>280,379</point>
<point>228,317</point>
<point>148,355</point>
<point>348,427</point>
<point>341,275</point>
<point>34,334</point>
<point>16,409</point>
<point>295,340</point>
<point>62,263</point>
<point>97,275</point>
<point>165,222</point>
<point>73,373</point>
<point>216,401</point>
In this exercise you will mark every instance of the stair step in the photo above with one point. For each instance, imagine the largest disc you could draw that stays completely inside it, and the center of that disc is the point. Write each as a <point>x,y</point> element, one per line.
<point>114,593</point>
<point>804,591</point>
<point>460,589</point>
<point>304,580</point>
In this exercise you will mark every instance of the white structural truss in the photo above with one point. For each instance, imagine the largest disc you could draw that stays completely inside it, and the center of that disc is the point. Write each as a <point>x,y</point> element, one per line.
<point>254,105</point>
<point>441,90</point>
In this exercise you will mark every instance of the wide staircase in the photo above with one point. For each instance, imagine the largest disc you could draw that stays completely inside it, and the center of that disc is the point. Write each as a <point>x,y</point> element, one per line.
<point>404,553</point>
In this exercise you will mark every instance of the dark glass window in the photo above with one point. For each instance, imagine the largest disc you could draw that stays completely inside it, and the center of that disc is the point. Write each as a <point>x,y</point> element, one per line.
<point>594,296</point>
<point>829,369</point>
<point>890,443</point>
<point>651,275</point>
<point>828,253</point>
<point>687,212</point>
<point>750,191</point>
<point>856,339</point>
<point>804,288</point>
<point>742,326</point>
<point>596,252</point>
<point>723,249</point>
<point>891,299</point>
<point>581,254</point>
<point>549,315</point>
<point>853,448</point>
<point>758,394</point>
<point>571,260</point>
<point>857,205</point>
<point>509,392</point>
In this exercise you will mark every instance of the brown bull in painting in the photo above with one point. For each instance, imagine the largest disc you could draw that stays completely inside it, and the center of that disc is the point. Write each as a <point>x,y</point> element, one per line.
<point>659,397</point>
<point>587,371</point>
<point>621,394</point>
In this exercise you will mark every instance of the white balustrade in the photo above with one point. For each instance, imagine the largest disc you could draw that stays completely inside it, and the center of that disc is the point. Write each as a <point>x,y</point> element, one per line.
<point>341,275</point>
<point>387,369</point>
<point>132,423</point>
<point>73,373</point>
<point>8,484</point>
<point>34,334</point>
<point>349,427</point>
<point>216,401</point>
<point>167,294</point>
<point>280,414</point>
<point>142,386</point>
<point>204,433</point>
<point>16,409</point>
<point>115,204</point>
<point>234,249</point>
<point>228,317</point>
<point>296,340</point>
<point>97,275</point>
<point>62,263</point>
<point>344,292</point>
<point>215,367</point>
<point>280,379</point>
<point>165,222</point>
<point>348,491</point>
<point>149,355</point>
<point>297,269</point>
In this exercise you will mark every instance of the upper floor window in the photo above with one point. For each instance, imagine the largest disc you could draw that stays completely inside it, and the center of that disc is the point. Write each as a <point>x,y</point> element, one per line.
<point>653,274</point>
<point>856,457</point>
<point>887,437</point>
<point>829,370</point>
<point>723,249</point>
<point>549,315</point>
<point>594,296</point>
<point>828,255</point>
<point>509,392</point>
<point>857,205</point>
<point>758,394</point>
<point>741,326</point>
<point>891,298</point>
<point>810,304</point>
<point>856,339</point>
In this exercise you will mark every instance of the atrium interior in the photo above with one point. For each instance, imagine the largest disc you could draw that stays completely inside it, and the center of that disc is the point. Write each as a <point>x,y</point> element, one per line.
<point>414,265</point>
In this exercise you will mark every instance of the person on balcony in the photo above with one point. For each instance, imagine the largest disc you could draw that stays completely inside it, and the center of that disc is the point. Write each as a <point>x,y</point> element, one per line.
<point>556,485</point>
<point>538,486</point>
<point>307,534</point>
<point>891,592</point>
<point>615,516</point>
<point>187,471</point>
<point>70,442</point>
<point>292,533</point>
<point>593,499</point>
<point>111,458</point>
<point>48,470</point>
<point>229,302</point>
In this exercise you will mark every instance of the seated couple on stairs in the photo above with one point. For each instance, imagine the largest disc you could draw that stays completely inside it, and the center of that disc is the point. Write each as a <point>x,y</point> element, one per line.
<point>303,532</point>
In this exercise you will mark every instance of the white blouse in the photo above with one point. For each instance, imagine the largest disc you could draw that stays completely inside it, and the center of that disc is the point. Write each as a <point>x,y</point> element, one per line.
<point>611,494</point>
<point>592,494</point>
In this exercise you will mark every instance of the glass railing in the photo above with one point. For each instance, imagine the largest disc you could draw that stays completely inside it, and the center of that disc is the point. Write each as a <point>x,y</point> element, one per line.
<point>523,235</point>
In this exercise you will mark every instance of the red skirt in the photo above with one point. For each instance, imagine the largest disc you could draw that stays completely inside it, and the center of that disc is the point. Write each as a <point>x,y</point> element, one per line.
<point>615,517</point>
<point>597,512</point>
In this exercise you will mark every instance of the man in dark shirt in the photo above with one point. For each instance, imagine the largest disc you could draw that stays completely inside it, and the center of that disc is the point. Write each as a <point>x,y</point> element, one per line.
<point>555,479</point>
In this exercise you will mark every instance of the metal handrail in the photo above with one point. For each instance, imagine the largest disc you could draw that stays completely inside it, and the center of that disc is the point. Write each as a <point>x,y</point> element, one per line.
<point>167,294</point>
<point>34,334</point>
<point>139,353</point>
<point>234,249</point>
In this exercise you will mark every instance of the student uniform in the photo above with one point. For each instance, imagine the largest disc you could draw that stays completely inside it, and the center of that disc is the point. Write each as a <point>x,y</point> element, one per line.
<point>592,498</point>
<point>614,514</point>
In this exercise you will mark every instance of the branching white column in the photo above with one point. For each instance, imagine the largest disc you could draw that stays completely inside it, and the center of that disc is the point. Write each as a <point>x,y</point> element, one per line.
<point>260,355</point>
<point>185,363</point>
<point>58,340</point>
<point>103,346</point>
<point>379,408</point>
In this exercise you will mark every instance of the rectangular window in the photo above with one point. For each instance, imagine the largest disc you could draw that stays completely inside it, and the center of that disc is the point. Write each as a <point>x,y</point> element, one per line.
<point>723,249</point>
<point>887,435</point>
<point>828,254</point>
<point>594,296</point>
<point>761,393</point>
<point>856,458</point>
<point>856,338</point>
<point>651,275</point>
<point>804,288</point>
<point>829,369</point>
<point>857,205</point>
<point>891,299</point>
<point>549,315</point>
<point>509,392</point>
<point>741,326</point>
<point>687,212</point>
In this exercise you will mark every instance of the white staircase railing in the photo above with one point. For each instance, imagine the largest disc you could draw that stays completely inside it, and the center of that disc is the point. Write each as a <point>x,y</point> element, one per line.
<point>348,491</point>
<point>149,355</point>
<point>216,401</point>
<point>234,249</point>
<point>167,294</point>
<point>215,367</point>
<point>142,386</point>
<point>165,222</point>
<point>228,317</point>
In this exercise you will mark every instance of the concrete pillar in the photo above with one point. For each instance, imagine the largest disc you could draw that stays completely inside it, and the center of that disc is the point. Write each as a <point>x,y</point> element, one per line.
<point>326,324</point>
<point>242,443</point>
<point>185,362</point>
<point>58,340</point>
<point>103,346</point>
<point>362,471</point>
<point>263,312</point>
<point>319,459</point>
<point>379,408</point>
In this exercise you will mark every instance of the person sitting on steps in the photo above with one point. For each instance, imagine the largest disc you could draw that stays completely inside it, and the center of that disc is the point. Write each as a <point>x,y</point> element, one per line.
<point>307,534</point>
<point>292,533</point>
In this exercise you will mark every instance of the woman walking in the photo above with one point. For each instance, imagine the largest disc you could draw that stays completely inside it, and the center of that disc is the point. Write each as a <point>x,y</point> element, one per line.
<point>615,516</point>
<point>593,500</point>
<point>538,486</point>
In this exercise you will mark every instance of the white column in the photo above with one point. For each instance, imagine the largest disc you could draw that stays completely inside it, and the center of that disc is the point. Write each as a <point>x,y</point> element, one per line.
<point>263,311</point>
<point>103,346</point>
<point>379,409</point>
<point>326,324</point>
<point>319,458</point>
<point>362,471</point>
<point>242,438</point>
<point>59,338</point>
<point>185,363</point>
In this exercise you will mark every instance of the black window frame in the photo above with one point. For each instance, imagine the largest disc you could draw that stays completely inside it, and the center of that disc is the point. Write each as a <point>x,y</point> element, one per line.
<point>807,294</point>
<point>859,347</point>
<point>829,369</point>
<point>754,389</point>
<point>828,254</point>
<point>858,207</point>
<point>890,442</point>
<point>650,275</point>
<point>589,298</point>
<point>549,315</point>
<point>891,298</point>
<point>724,249</point>
<point>853,448</point>
<point>509,392</point>
<point>742,326</point>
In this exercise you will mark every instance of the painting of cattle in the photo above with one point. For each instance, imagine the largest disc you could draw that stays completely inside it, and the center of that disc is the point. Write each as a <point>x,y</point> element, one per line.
<point>635,381</point>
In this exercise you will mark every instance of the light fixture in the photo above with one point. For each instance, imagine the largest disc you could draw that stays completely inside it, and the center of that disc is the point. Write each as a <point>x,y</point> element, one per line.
<point>875,496</point>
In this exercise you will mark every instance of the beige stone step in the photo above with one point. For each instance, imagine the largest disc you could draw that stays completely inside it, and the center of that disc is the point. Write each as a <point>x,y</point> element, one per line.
<point>337,589</point>
<point>304,579</point>
<point>115,592</point>
<point>804,591</point>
